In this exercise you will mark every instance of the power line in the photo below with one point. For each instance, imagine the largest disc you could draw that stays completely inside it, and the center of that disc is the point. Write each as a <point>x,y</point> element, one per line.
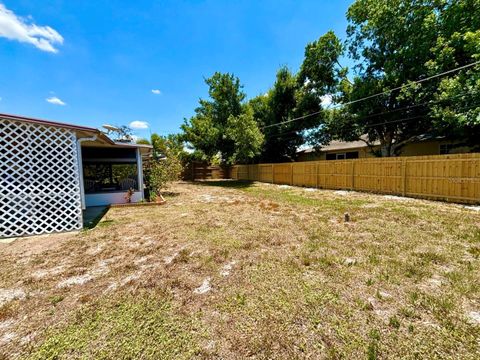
<point>417,105</point>
<point>385,112</point>
<point>463,110</point>
<point>378,94</point>
<point>414,82</point>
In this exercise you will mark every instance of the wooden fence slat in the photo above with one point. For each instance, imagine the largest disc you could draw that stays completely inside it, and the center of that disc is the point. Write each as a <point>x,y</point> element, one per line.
<point>446,177</point>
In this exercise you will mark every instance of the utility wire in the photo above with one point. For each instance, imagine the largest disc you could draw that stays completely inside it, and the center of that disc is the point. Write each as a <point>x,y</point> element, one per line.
<point>417,105</point>
<point>378,94</point>
<point>416,117</point>
<point>386,112</point>
<point>463,111</point>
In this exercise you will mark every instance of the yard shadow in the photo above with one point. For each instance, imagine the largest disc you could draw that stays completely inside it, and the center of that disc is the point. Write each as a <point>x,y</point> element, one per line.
<point>235,184</point>
<point>92,215</point>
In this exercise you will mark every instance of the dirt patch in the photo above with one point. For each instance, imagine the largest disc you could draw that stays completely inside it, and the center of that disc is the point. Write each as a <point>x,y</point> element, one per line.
<point>7,295</point>
<point>227,268</point>
<point>204,288</point>
<point>100,269</point>
<point>474,317</point>
<point>47,273</point>
<point>474,208</point>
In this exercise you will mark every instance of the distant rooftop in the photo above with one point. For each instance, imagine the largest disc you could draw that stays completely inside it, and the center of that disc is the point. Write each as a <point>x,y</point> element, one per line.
<point>341,145</point>
<point>336,145</point>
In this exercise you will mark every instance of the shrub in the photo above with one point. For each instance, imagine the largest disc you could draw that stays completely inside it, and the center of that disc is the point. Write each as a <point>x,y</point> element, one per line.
<point>159,173</point>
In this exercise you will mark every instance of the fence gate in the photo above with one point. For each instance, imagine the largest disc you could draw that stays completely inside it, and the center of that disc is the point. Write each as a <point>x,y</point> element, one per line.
<point>39,179</point>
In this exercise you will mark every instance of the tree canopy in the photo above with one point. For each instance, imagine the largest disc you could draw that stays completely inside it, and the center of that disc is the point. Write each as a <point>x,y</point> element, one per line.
<point>414,75</point>
<point>210,130</point>
<point>394,43</point>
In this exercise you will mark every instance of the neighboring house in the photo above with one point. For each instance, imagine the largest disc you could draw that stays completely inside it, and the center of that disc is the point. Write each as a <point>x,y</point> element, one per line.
<point>339,150</point>
<point>50,172</point>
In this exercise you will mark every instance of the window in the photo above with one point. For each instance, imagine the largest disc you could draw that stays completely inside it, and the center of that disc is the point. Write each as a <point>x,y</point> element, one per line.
<point>445,148</point>
<point>352,155</point>
<point>342,156</point>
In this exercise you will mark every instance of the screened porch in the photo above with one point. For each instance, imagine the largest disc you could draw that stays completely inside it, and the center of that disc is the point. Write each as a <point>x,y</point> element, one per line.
<point>109,173</point>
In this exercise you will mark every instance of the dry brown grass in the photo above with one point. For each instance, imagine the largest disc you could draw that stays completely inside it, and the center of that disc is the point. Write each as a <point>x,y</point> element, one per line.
<point>284,277</point>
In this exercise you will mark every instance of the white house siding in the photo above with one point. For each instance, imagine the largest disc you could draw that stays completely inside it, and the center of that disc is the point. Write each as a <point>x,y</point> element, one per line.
<point>39,179</point>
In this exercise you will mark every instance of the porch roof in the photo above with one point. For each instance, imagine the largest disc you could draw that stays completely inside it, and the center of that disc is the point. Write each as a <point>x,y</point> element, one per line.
<point>82,131</point>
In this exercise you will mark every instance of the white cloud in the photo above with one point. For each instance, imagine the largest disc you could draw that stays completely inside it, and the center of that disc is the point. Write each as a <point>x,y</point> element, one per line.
<point>326,100</point>
<point>140,125</point>
<point>55,101</point>
<point>17,28</point>
<point>156,92</point>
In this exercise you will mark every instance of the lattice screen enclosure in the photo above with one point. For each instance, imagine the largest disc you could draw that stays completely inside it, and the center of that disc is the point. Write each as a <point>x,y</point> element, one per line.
<point>39,179</point>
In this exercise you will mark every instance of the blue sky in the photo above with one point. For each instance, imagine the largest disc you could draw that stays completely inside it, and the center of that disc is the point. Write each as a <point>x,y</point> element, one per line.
<point>102,59</point>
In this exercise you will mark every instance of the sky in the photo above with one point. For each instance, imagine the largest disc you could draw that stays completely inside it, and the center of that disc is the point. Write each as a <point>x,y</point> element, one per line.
<point>143,63</point>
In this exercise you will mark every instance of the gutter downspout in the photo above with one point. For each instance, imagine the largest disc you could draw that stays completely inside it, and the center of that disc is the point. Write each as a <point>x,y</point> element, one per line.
<point>140,174</point>
<point>80,166</point>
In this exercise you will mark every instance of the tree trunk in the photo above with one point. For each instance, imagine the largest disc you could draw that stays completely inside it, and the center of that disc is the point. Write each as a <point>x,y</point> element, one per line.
<point>384,150</point>
<point>386,146</point>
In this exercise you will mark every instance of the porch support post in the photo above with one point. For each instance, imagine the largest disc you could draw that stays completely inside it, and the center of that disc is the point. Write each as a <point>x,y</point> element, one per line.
<point>140,173</point>
<point>80,167</point>
<point>80,173</point>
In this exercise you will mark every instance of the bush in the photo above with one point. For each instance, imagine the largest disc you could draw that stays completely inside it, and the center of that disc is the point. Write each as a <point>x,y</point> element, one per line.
<point>160,172</point>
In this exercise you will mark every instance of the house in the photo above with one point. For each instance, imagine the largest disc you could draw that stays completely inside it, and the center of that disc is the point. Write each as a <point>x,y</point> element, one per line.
<point>51,171</point>
<point>339,150</point>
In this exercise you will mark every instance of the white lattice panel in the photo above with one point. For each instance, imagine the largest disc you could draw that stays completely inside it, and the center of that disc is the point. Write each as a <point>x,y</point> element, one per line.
<point>39,181</point>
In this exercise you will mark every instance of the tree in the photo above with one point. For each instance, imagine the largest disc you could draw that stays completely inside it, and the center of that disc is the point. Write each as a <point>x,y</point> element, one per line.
<point>321,75</point>
<point>170,145</point>
<point>159,172</point>
<point>246,136</point>
<point>456,109</point>
<point>209,131</point>
<point>166,164</point>
<point>321,72</point>
<point>288,99</point>
<point>122,133</point>
<point>163,146</point>
<point>395,42</point>
<point>281,140</point>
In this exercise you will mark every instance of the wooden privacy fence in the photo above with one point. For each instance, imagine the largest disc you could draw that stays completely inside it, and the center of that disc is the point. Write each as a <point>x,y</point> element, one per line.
<point>444,177</point>
<point>203,171</point>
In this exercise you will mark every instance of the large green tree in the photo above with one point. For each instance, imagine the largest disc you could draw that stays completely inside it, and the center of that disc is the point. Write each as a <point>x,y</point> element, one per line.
<point>288,99</point>
<point>210,131</point>
<point>321,75</point>
<point>456,107</point>
<point>246,136</point>
<point>393,43</point>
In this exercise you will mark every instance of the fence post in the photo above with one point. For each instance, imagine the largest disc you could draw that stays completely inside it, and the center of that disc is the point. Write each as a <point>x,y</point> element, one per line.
<point>273,174</point>
<point>404,177</point>
<point>291,174</point>
<point>353,174</point>
<point>304,175</point>
<point>316,174</point>
<point>346,174</point>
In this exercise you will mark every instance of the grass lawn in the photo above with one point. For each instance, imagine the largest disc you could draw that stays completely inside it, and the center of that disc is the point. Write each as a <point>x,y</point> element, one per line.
<point>236,270</point>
